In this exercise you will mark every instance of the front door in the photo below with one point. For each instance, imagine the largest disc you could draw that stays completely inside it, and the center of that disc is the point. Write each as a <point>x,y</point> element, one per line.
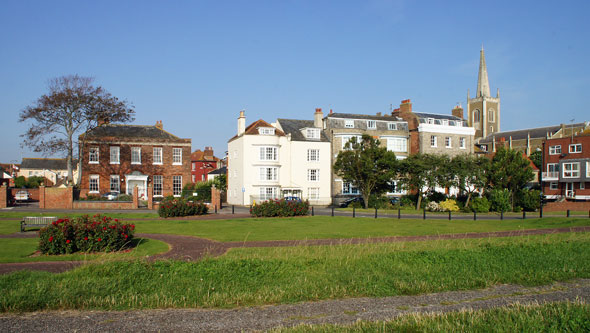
<point>140,188</point>
<point>569,190</point>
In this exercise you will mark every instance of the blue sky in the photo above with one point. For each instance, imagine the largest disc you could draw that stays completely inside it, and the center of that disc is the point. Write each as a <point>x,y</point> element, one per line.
<point>195,64</point>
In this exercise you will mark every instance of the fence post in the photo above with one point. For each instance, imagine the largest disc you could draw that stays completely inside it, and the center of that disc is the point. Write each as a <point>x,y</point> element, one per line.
<point>353,211</point>
<point>424,214</point>
<point>501,215</point>
<point>568,213</point>
<point>215,209</point>
<point>375,212</point>
<point>449,215</point>
<point>399,213</point>
<point>524,215</point>
<point>474,216</point>
<point>233,209</point>
<point>541,211</point>
<point>332,211</point>
<point>312,213</point>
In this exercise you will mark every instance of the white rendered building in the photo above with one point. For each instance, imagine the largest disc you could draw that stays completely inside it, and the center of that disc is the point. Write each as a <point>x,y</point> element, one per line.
<point>290,158</point>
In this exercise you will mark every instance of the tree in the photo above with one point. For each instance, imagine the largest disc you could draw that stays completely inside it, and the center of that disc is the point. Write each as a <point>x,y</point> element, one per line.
<point>72,106</point>
<point>415,175</point>
<point>221,182</point>
<point>537,158</point>
<point>367,166</point>
<point>470,174</point>
<point>510,170</point>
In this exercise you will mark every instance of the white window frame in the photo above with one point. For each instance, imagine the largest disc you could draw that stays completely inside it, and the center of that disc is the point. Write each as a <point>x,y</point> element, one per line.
<point>135,155</point>
<point>115,153</point>
<point>313,193</point>
<point>587,169</point>
<point>116,181</point>
<point>572,172</point>
<point>555,150</point>
<point>553,186</point>
<point>312,133</point>
<point>176,156</point>
<point>268,193</point>
<point>430,121</point>
<point>93,155</point>
<point>448,142</point>
<point>268,174</point>
<point>266,131</point>
<point>268,153</point>
<point>346,138</point>
<point>349,123</point>
<point>349,189</point>
<point>398,145</point>
<point>392,126</point>
<point>371,124</point>
<point>176,186</point>
<point>313,155</point>
<point>96,188</point>
<point>158,183</point>
<point>433,141</point>
<point>573,148</point>
<point>157,155</point>
<point>462,143</point>
<point>313,175</point>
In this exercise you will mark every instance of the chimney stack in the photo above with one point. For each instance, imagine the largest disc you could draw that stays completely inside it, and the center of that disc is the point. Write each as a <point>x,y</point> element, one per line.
<point>457,111</point>
<point>318,117</point>
<point>406,106</point>
<point>159,125</point>
<point>241,123</point>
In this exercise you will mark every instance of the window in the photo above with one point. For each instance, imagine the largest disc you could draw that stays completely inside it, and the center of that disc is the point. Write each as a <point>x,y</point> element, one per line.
<point>371,124</point>
<point>553,186</point>
<point>313,175</point>
<point>576,148</point>
<point>552,170</point>
<point>114,155</point>
<point>348,188</point>
<point>571,170</point>
<point>267,193</point>
<point>194,166</point>
<point>462,143</point>
<point>397,144</point>
<point>267,173</point>
<point>157,155</point>
<point>346,139</point>
<point>93,155</point>
<point>392,126</point>
<point>431,120</point>
<point>135,155</point>
<point>459,124</point>
<point>158,182</point>
<point>93,184</point>
<point>448,142</point>
<point>115,183</point>
<point>313,193</point>
<point>476,116</point>
<point>176,185</point>
<point>313,155</point>
<point>587,169</point>
<point>268,154</point>
<point>193,178</point>
<point>176,156</point>
<point>266,130</point>
<point>433,141</point>
<point>491,115</point>
<point>554,150</point>
<point>312,133</point>
<point>30,173</point>
<point>349,124</point>
<point>582,186</point>
<point>445,122</point>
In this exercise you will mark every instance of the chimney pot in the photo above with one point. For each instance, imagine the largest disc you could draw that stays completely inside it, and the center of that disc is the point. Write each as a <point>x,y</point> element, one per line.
<point>318,118</point>
<point>241,123</point>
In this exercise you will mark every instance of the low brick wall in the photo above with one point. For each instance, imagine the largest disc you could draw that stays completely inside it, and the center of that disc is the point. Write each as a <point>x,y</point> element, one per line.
<point>34,192</point>
<point>103,205</point>
<point>56,197</point>
<point>565,205</point>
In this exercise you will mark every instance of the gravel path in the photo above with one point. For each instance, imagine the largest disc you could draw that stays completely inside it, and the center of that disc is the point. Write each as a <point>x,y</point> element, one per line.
<point>345,311</point>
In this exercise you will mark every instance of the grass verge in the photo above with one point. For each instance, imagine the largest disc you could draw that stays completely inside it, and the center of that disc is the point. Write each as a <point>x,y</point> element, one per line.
<point>287,275</point>
<point>552,317</point>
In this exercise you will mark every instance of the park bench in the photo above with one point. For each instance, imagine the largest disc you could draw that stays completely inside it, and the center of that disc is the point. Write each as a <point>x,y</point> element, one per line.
<point>36,222</point>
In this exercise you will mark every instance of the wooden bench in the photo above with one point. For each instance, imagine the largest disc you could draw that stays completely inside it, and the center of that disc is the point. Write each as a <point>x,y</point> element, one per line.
<point>36,222</point>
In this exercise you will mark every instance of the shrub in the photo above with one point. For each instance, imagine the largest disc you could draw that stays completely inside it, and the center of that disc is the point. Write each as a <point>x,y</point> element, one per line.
<point>436,196</point>
<point>124,197</point>
<point>171,207</point>
<point>280,208</point>
<point>449,205</point>
<point>433,207</point>
<point>529,200</point>
<point>203,190</point>
<point>87,234</point>
<point>479,205</point>
<point>381,202</point>
<point>500,200</point>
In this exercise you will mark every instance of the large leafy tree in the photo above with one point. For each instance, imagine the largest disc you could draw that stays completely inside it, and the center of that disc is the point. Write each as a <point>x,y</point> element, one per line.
<point>72,106</point>
<point>511,170</point>
<point>416,175</point>
<point>471,174</point>
<point>367,166</point>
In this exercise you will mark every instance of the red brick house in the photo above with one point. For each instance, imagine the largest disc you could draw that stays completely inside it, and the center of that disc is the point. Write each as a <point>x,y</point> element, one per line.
<point>202,162</point>
<point>566,168</point>
<point>116,158</point>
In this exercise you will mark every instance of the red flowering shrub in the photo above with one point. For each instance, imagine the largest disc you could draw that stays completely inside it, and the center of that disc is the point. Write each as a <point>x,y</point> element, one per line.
<point>171,206</point>
<point>281,208</point>
<point>87,234</point>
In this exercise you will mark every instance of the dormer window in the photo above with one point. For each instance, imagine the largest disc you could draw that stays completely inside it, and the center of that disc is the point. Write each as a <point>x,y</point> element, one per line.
<point>437,122</point>
<point>312,133</point>
<point>431,120</point>
<point>392,126</point>
<point>349,124</point>
<point>266,131</point>
<point>445,122</point>
<point>371,124</point>
<point>459,124</point>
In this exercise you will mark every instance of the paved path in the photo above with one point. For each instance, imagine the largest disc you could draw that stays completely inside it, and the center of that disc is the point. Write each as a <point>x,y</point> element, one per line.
<point>193,248</point>
<point>344,311</point>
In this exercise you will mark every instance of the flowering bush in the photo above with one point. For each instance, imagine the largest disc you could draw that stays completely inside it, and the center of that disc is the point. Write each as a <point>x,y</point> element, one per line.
<point>449,205</point>
<point>433,207</point>
<point>480,205</point>
<point>171,206</point>
<point>280,208</point>
<point>87,234</point>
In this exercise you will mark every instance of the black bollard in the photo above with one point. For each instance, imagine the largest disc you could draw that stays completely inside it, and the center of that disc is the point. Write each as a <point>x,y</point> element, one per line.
<point>332,211</point>
<point>501,215</point>
<point>474,216</point>
<point>399,213</point>
<point>568,213</point>
<point>424,214</point>
<point>215,209</point>
<point>449,215</point>
<point>523,215</point>
<point>353,212</point>
<point>233,209</point>
<point>541,211</point>
<point>312,214</point>
<point>375,212</point>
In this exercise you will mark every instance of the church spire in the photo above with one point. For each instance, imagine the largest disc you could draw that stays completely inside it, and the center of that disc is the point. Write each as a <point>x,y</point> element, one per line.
<point>483,85</point>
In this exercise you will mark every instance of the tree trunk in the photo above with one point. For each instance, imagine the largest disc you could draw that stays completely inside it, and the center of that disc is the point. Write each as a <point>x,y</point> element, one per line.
<point>69,161</point>
<point>468,199</point>
<point>366,200</point>
<point>419,201</point>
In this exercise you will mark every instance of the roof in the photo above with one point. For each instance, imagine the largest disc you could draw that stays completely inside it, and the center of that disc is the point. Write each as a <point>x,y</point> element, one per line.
<point>199,155</point>
<point>220,171</point>
<point>437,116</point>
<point>362,116</point>
<point>252,129</point>
<point>46,163</point>
<point>130,131</point>
<point>538,132</point>
<point>294,127</point>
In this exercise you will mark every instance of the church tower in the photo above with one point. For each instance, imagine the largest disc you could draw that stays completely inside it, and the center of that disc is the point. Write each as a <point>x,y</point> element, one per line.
<point>483,111</point>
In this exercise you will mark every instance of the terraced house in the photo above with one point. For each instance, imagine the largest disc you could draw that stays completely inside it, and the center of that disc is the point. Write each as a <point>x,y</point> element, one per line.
<point>117,158</point>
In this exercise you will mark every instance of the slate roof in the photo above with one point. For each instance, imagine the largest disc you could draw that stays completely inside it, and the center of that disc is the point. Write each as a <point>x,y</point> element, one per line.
<point>538,132</point>
<point>47,163</point>
<point>436,116</point>
<point>294,126</point>
<point>362,116</point>
<point>220,171</point>
<point>130,131</point>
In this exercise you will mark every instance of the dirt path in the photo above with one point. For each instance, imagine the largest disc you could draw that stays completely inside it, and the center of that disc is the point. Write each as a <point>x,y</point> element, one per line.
<point>191,248</point>
<point>345,311</point>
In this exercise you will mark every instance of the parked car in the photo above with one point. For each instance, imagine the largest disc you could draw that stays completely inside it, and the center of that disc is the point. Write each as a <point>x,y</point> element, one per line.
<point>295,199</point>
<point>111,195</point>
<point>349,201</point>
<point>394,200</point>
<point>22,195</point>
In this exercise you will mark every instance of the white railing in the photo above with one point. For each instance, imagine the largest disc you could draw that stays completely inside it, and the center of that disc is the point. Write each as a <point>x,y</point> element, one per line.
<point>552,175</point>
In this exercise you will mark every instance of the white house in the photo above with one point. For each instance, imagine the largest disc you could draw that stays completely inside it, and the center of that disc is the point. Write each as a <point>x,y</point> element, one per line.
<point>285,159</point>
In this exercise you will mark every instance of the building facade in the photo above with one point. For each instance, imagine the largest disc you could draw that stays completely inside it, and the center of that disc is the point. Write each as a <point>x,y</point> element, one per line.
<point>55,170</point>
<point>117,158</point>
<point>483,111</point>
<point>202,162</point>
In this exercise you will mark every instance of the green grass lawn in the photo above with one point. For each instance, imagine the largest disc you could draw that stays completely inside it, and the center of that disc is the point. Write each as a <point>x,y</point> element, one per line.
<point>21,249</point>
<point>552,317</point>
<point>319,227</point>
<point>285,275</point>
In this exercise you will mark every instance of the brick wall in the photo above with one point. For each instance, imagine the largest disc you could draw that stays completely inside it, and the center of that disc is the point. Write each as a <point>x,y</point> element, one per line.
<point>565,205</point>
<point>33,192</point>
<point>3,196</point>
<point>103,205</point>
<point>56,197</point>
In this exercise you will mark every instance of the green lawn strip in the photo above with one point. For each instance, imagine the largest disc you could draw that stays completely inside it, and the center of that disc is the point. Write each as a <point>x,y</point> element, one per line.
<point>320,227</point>
<point>9,226</point>
<point>286,275</point>
<point>21,249</point>
<point>551,317</point>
